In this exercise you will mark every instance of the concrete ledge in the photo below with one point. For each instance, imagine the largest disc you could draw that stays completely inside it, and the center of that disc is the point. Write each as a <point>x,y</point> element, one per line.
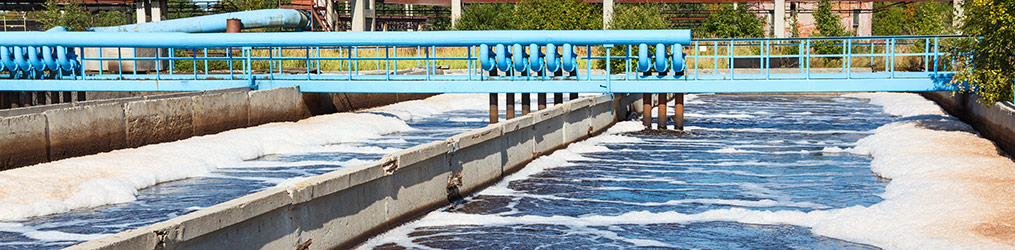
<point>23,139</point>
<point>342,208</point>
<point>995,121</point>
<point>215,113</point>
<point>275,105</point>
<point>155,121</point>
<point>86,130</point>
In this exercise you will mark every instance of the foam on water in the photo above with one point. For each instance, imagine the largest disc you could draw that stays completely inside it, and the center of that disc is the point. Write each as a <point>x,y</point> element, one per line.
<point>116,176</point>
<point>948,189</point>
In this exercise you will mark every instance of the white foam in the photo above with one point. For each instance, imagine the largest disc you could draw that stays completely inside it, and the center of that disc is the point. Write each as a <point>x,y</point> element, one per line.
<point>439,104</point>
<point>115,177</point>
<point>729,150</point>
<point>833,150</point>
<point>901,104</point>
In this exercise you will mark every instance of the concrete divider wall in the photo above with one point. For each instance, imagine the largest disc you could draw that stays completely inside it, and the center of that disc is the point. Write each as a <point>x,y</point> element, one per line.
<point>39,134</point>
<point>344,207</point>
<point>995,121</point>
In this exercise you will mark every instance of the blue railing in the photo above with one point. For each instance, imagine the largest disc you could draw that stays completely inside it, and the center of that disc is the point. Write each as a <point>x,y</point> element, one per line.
<point>649,61</point>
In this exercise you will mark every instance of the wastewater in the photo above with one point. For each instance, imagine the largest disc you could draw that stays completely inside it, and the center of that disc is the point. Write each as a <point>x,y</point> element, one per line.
<point>744,157</point>
<point>172,199</point>
<point>627,189</point>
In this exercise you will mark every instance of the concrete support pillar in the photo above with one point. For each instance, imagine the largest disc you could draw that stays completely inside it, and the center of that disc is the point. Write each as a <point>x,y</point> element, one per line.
<point>509,106</point>
<point>607,13</point>
<point>159,10</point>
<point>541,101</point>
<point>678,111</point>
<point>573,96</point>
<point>493,108</point>
<point>363,15</point>
<point>456,11</point>
<point>526,103</point>
<point>779,20</point>
<point>558,98</point>
<point>646,110</point>
<point>140,11</point>
<point>661,116</point>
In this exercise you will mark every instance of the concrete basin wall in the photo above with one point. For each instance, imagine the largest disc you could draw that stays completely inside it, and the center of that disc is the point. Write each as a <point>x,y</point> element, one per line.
<point>45,133</point>
<point>995,121</point>
<point>342,208</point>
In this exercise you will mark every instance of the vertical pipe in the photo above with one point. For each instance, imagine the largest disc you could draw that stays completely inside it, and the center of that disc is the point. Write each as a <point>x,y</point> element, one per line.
<point>493,102</point>
<point>493,108</point>
<point>526,103</point>
<point>661,120</point>
<point>646,110</point>
<point>541,101</point>
<point>509,106</point>
<point>678,111</point>
<point>233,25</point>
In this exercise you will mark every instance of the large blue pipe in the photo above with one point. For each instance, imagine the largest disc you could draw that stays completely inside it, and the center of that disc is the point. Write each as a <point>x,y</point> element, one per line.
<point>251,19</point>
<point>417,38</point>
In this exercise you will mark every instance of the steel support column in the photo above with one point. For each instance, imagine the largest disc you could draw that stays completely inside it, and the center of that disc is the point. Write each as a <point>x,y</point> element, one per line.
<point>661,116</point>
<point>678,111</point>
<point>646,110</point>
<point>509,106</point>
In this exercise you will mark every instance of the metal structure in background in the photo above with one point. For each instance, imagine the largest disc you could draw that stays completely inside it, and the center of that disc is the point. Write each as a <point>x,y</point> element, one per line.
<point>649,61</point>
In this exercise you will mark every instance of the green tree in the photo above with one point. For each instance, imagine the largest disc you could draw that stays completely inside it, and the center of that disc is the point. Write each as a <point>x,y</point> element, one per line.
<point>827,23</point>
<point>497,16</point>
<point>990,63</point>
<point>558,15</point>
<point>919,18</point>
<point>632,17</point>
<point>727,22</point>
<point>242,5</point>
<point>74,17</point>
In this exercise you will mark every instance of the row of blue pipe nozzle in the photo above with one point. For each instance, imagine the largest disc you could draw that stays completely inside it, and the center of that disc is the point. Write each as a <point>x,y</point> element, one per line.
<point>535,59</point>
<point>26,59</point>
<point>29,59</point>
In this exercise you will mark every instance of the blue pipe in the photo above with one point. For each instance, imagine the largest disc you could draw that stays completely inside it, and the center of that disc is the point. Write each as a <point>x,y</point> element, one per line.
<point>535,58</point>
<point>251,19</point>
<point>552,58</point>
<point>662,62</point>
<point>33,58</point>
<point>502,55</point>
<point>644,63</point>
<point>487,62</point>
<point>65,59</point>
<point>567,59</point>
<point>47,58</point>
<point>518,57</point>
<point>303,39</point>
<point>678,58</point>
<point>5,58</point>
<point>19,59</point>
